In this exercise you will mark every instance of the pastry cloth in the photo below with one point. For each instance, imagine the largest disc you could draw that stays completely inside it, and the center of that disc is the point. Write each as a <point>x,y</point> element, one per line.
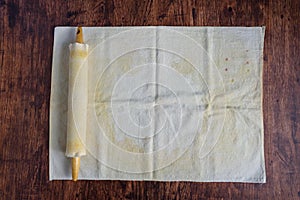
<point>164,103</point>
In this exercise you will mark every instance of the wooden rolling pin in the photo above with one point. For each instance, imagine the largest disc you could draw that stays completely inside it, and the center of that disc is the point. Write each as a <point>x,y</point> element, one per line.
<point>77,102</point>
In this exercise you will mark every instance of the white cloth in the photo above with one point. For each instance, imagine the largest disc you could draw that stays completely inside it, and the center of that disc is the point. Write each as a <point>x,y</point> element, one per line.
<point>77,100</point>
<point>164,103</point>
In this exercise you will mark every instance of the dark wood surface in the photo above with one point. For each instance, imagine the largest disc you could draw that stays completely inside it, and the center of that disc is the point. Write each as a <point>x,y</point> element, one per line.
<point>26,40</point>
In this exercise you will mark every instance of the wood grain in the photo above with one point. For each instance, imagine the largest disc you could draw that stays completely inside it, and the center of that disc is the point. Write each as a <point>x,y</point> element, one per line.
<point>26,39</point>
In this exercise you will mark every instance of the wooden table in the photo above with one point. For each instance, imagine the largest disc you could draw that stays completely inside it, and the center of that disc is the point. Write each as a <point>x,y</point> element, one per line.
<point>26,39</point>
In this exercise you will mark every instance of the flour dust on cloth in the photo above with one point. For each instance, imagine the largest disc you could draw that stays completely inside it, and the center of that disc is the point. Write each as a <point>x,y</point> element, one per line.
<point>163,103</point>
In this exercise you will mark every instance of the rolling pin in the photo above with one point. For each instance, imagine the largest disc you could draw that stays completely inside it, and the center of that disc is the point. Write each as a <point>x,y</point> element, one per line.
<point>77,102</point>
